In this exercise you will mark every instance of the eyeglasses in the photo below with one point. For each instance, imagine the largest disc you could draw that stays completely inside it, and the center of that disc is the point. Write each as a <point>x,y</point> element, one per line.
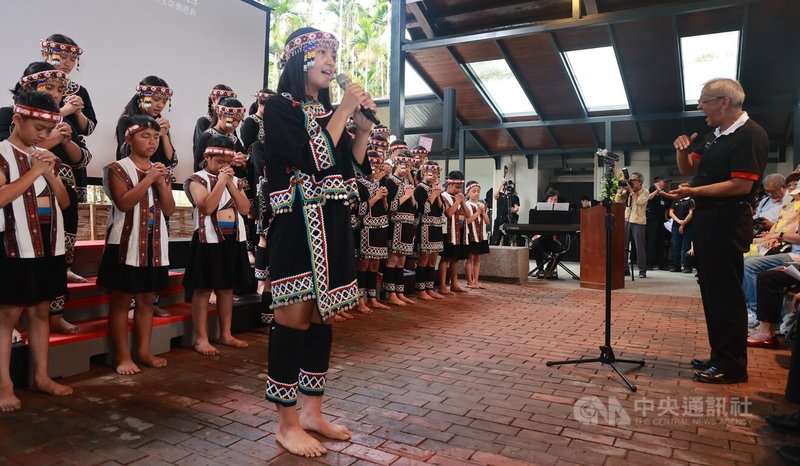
<point>709,99</point>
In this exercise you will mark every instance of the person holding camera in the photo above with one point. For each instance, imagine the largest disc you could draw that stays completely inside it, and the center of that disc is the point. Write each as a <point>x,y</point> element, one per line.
<point>507,212</point>
<point>633,194</point>
<point>658,204</point>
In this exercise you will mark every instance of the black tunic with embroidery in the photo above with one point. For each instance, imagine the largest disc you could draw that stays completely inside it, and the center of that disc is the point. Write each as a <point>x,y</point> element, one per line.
<point>311,251</point>
<point>373,237</point>
<point>402,217</point>
<point>431,219</point>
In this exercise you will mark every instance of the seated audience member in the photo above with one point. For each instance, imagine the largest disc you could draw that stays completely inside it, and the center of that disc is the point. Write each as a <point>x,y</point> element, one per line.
<point>771,285</point>
<point>779,245</point>
<point>770,206</point>
<point>790,423</point>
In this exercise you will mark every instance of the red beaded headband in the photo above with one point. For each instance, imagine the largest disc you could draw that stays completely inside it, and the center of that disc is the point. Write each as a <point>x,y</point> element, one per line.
<point>430,168</point>
<point>421,151</point>
<point>43,76</point>
<point>147,90</point>
<point>472,185</point>
<point>231,112</point>
<point>133,129</point>
<point>398,147</point>
<point>48,46</point>
<point>37,113</point>
<point>214,150</point>
<point>455,182</point>
<point>380,131</point>
<point>263,95</point>
<point>308,43</point>
<point>224,93</point>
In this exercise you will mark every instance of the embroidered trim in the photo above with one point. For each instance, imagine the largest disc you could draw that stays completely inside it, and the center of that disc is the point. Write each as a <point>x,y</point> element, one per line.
<point>292,289</point>
<point>281,393</point>
<point>312,383</point>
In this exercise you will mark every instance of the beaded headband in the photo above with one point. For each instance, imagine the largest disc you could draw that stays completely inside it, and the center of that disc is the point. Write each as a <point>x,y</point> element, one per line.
<point>223,93</point>
<point>403,157</point>
<point>400,146</point>
<point>379,130</point>
<point>472,185</point>
<point>308,43</point>
<point>37,113</point>
<point>430,168</point>
<point>419,151</point>
<point>133,129</point>
<point>230,114</point>
<point>454,182</point>
<point>263,95</point>
<point>379,143</point>
<point>42,77</point>
<point>211,151</point>
<point>147,91</point>
<point>56,50</point>
<point>375,161</point>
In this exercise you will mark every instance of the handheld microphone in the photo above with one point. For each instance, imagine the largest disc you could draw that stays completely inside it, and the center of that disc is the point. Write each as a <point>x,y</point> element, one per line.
<point>343,82</point>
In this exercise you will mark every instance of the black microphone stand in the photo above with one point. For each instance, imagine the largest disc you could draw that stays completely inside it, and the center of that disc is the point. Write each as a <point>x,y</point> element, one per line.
<point>606,351</point>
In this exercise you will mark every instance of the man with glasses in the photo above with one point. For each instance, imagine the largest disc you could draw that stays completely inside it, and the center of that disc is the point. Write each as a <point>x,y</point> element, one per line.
<point>769,207</point>
<point>727,165</point>
<point>635,199</point>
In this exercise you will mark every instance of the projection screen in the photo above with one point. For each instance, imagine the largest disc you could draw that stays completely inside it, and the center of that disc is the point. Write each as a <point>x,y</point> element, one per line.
<point>192,44</point>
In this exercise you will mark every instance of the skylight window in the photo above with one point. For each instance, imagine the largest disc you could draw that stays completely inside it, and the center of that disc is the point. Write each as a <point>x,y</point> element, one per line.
<point>502,88</point>
<point>415,85</point>
<point>599,79</point>
<point>707,57</point>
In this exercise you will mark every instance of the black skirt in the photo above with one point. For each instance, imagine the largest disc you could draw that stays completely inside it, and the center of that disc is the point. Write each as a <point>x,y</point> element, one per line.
<point>481,247</point>
<point>118,276</point>
<point>217,266</point>
<point>31,281</point>
<point>455,251</point>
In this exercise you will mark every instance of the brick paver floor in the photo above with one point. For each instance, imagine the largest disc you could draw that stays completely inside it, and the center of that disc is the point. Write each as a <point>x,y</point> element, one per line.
<point>459,381</point>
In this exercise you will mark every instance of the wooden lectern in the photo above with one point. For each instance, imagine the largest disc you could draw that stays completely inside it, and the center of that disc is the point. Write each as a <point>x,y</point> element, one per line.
<point>593,247</point>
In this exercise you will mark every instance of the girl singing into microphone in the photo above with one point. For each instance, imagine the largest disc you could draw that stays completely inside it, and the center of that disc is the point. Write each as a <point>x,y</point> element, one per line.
<point>310,160</point>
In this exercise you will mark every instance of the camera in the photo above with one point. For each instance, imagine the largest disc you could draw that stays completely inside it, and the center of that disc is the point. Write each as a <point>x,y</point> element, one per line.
<point>626,177</point>
<point>508,187</point>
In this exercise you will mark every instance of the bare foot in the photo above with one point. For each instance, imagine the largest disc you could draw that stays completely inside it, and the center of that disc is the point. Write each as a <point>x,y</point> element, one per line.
<point>152,361</point>
<point>298,442</point>
<point>8,402</point>
<point>423,295</point>
<point>158,312</point>
<point>59,325</point>
<point>317,423</point>
<point>47,385</point>
<point>395,301</point>
<point>338,318</point>
<point>205,348</point>
<point>377,304</point>
<point>233,342</point>
<point>480,286</point>
<point>73,277</point>
<point>347,315</point>
<point>458,289</point>
<point>16,337</point>
<point>127,367</point>
<point>363,308</point>
<point>445,292</point>
<point>406,299</point>
<point>435,295</point>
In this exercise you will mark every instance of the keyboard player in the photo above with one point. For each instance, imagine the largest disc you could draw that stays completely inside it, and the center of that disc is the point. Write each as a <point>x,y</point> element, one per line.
<point>547,248</point>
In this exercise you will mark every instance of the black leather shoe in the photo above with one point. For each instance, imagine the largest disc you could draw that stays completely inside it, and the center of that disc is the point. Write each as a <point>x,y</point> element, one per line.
<point>788,424</point>
<point>790,454</point>
<point>701,364</point>
<point>714,375</point>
